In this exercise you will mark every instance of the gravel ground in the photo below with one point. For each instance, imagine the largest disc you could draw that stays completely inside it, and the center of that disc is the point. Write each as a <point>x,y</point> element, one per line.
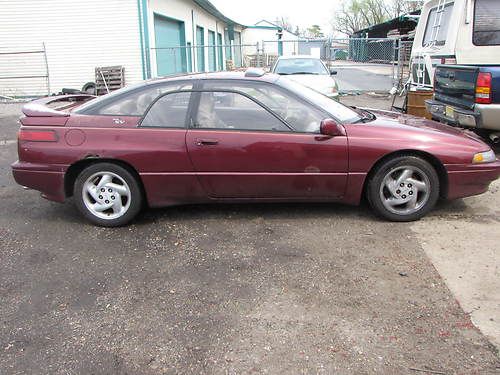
<point>276,288</point>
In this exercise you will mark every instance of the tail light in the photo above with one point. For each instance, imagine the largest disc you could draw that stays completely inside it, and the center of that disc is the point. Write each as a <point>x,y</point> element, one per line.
<point>483,88</point>
<point>37,135</point>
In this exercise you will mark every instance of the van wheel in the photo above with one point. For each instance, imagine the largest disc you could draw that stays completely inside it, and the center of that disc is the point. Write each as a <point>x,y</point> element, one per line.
<point>107,194</point>
<point>404,188</point>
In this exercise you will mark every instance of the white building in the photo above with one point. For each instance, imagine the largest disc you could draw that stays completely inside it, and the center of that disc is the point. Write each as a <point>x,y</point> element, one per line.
<point>149,38</point>
<point>272,38</point>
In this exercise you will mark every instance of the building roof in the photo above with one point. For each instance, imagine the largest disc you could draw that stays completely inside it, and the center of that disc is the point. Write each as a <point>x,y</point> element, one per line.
<point>210,8</point>
<point>401,22</point>
<point>271,26</point>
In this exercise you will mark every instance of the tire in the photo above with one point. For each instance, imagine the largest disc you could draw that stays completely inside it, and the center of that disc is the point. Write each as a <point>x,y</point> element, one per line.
<point>116,205</point>
<point>89,88</point>
<point>404,188</point>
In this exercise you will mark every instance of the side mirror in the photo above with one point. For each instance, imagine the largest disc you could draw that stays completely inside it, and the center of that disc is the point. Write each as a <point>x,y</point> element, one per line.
<point>331,128</point>
<point>333,72</point>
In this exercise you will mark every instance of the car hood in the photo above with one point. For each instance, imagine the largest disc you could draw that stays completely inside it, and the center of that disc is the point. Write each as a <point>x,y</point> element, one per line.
<point>320,82</point>
<point>420,124</point>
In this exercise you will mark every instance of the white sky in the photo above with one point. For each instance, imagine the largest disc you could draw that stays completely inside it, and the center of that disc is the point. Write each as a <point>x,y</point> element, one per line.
<point>303,13</point>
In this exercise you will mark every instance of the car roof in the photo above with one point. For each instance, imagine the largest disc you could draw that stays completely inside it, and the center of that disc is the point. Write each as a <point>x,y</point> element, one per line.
<point>293,57</point>
<point>240,75</point>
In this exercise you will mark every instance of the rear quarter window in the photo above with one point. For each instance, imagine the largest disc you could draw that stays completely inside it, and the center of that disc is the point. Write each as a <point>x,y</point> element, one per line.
<point>133,102</point>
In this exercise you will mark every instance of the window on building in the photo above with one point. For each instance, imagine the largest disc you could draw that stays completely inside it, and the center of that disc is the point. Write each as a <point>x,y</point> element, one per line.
<point>169,111</point>
<point>434,23</point>
<point>486,23</point>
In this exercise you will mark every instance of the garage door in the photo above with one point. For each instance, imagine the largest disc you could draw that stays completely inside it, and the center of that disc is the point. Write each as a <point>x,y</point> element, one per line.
<point>168,34</point>
<point>211,50</point>
<point>200,52</point>
<point>220,61</point>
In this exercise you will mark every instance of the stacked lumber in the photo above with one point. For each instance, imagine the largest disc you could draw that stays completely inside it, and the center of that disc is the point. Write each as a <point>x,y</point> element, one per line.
<point>109,78</point>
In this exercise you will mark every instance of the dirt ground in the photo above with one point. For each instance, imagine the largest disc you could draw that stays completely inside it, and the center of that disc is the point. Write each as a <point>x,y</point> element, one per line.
<point>232,289</point>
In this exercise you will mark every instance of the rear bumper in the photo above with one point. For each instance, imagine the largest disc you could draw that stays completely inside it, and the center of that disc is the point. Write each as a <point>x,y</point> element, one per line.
<point>49,180</point>
<point>471,179</point>
<point>484,116</point>
<point>459,116</point>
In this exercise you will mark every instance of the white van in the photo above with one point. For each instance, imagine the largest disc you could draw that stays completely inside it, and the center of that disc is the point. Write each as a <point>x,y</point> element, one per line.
<point>463,32</point>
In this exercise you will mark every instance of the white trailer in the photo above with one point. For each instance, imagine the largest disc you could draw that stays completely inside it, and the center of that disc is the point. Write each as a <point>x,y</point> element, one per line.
<point>464,32</point>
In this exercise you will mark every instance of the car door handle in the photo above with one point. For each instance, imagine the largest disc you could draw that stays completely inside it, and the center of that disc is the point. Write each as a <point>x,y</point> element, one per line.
<point>206,142</point>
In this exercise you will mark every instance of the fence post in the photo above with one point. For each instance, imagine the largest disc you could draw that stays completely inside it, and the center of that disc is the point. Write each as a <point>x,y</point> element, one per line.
<point>394,50</point>
<point>46,68</point>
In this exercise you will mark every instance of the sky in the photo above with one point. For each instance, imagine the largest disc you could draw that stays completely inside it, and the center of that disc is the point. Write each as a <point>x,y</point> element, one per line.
<point>299,13</point>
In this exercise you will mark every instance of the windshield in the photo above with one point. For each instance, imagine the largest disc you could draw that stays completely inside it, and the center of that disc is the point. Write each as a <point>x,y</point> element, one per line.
<point>300,66</point>
<point>333,107</point>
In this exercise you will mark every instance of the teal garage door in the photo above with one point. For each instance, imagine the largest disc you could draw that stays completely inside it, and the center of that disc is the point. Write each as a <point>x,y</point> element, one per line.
<point>200,51</point>
<point>169,33</point>
<point>220,60</point>
<point>211,51</point>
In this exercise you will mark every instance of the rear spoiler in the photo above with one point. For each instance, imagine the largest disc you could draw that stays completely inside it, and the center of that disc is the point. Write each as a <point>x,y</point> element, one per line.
<point>39,107</point>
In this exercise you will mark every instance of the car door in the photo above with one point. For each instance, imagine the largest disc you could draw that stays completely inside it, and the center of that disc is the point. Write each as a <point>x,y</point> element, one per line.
<point>241,149</point>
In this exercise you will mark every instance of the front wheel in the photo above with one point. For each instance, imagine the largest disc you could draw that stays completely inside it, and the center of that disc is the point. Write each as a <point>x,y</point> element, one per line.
<point>107,194</point>
<point>404,188</point>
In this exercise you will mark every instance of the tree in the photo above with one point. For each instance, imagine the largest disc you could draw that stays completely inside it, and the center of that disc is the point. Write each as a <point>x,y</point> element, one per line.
<point>400,7</point>
<point>284,23</point>
<point>355,15</point>
<point>315,32</point>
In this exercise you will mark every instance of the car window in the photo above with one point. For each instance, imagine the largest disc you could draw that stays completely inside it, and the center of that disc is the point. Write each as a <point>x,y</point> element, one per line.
<point>432,20</point>
<point>300,66</point>
<point>337,110</point>
<point>487,23</point>
<point>169,111</point>
<point>300,116</point>
<point>130,101</point>
<point>229,110</point>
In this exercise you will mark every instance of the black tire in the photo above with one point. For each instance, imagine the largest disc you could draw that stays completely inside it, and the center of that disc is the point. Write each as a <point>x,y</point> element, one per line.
<point>376,183</point>
<point>133,197</point>
<point>89,88</point>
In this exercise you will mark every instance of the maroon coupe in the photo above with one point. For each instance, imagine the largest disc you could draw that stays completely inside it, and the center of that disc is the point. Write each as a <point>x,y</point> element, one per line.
<point>240,137</point>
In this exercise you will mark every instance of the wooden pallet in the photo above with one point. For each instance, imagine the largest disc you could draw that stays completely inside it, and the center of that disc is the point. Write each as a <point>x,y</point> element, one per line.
<point>109,78</point>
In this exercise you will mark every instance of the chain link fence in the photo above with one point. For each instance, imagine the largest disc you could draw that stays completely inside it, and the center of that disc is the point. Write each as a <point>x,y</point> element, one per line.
<point>362,64</point>
<point>24,72</point>
<point>204,58</point>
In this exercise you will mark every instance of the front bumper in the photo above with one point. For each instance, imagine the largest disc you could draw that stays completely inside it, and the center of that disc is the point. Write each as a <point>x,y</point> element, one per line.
<point>471,179</point>
<point>49,180</point>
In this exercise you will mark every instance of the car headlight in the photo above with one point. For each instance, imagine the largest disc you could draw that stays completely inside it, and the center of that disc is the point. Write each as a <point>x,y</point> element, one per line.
<point>484,157</point>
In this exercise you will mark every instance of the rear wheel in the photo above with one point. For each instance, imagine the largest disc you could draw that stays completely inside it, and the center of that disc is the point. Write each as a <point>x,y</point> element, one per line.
<point>404,188</point>
<point>107,194</point>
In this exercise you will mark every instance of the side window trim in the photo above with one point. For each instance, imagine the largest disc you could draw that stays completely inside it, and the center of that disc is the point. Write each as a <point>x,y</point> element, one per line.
<point>260,104</point>
<point>186,119</point>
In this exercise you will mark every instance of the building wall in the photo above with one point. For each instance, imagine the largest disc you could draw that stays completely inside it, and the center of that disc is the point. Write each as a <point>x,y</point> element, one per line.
<point>268,37</point>
<point>78,35</point>
<point>185,11</point>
